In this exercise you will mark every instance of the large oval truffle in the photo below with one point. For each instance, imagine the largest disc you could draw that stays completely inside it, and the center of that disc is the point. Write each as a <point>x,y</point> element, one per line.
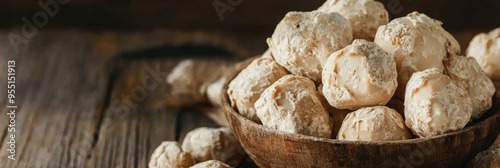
<point>485,48</point>
<point>365,16</point>
<point>249,84</point>
<point>377,123</point>
<point>302,41</point>
<point>417,42</point>
<point>360,75</point>
<point>466,72</point>
<point>435,104</point>
<point>293,105</point>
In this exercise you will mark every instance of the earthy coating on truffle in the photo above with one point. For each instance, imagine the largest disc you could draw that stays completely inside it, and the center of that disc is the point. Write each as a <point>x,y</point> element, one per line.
<point>170,154</point>
<point>360,75</point>
<point>417,42</point>
<point>435,104</point>
<point>487,159</point>
<point>485,48</point>
<point>365,16</point>
<point>293,105</point>
<point>211,144</point>
<point>379,123</point>
<point>211,164</point>
<point>249,84</point>
<point>466,72</point>
<point>302,41</point>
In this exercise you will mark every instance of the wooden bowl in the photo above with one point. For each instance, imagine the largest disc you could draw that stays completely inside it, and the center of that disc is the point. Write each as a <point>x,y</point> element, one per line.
<point>273,148</point>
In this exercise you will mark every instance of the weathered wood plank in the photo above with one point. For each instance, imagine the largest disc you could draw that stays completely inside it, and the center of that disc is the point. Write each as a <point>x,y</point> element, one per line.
<point>59,89</point>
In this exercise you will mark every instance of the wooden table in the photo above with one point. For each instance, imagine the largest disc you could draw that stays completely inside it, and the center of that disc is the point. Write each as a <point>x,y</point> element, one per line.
<point>82,100</point>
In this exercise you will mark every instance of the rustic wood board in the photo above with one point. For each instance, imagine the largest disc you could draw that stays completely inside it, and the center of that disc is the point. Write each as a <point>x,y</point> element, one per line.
<point>68,83</point>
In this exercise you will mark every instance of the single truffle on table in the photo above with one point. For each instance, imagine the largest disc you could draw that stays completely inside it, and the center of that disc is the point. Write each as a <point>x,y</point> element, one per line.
<point>211,164</point>
<point>170,154</point>
<point>293,105</point>
<point>417,42</point>
<point>365,16</point>
<point>485,48</point>
<point>211,144</point>
<point>466,72</point>
<point>302,41</point>
<point>435,104</point>
<point>248,85</point>
<point>489,158</point>
<point>359,75</point>
<point>378,123</point>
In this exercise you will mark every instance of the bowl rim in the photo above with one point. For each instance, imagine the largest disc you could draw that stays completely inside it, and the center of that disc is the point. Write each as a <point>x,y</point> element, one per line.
<point>228,109</point>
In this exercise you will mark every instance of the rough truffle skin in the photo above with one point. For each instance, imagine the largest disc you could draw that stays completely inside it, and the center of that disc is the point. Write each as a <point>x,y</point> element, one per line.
<point>293,105</point>
<point>170,154</point>
<point>485,48</point>
<point>190,79</point>
<point>359,75</point>
<point>466,72</point>
<point>302,41</point>
<point>417,42</point>
<point>377,123</point>
<point>211,164</point>
<point>211,144</point>
<point>365,16</point>
<point>248,85</point>
<point>435,104</point>
<point>486,159</point>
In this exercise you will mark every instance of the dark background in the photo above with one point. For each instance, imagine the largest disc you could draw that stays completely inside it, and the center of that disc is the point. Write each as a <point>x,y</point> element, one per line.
<point>249,17</point>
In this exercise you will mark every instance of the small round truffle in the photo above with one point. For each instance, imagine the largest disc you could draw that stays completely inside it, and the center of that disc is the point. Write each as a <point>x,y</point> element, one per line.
<point>293,105</point>
<point>249,84</point>
<point>302,41</point>
<point>211,144</point>
<point>360,75</point>
<point>377,123</point>
<point>435,104</point>
<point>211,164</point>
<point>417,42</point>
<point>466,72</point>
<point>485,48</point>
<point>489,158</point>
<point>170,154</point>
<point>365,16</point>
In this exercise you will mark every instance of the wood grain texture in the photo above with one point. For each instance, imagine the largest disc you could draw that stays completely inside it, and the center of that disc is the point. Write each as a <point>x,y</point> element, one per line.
<point>60,89</point>
<point>272,148</point>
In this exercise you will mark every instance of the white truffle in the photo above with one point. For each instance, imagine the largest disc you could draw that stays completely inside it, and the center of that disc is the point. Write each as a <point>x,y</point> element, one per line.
<point>211,144</point>
<point>489,158</point>
<point>214,91</point>
<point>248,85</point>
<point>293,105</point>
<point>434,104</point>
<point>211,164</point>
<point>170,154</point>
<point>360,75</point>
<point>377,123</point>
<point>302,41</point>
<point>417,42</point>
<point>466,72</point>
<point>365,16</point>
<point>189,80</point>
<point>485,48</point>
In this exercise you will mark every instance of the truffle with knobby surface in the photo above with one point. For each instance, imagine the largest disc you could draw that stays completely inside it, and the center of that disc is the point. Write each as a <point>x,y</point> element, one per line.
<point>293,105</point>
<point>485,48</point>
<point>302,41</point>
<point>211,164</point>
<point>211,144</point>
<point>170,155</point>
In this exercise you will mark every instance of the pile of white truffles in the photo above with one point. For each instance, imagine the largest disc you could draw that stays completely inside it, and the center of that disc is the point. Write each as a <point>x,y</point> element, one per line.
<point>397,80</point>
<point>209,147</point>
